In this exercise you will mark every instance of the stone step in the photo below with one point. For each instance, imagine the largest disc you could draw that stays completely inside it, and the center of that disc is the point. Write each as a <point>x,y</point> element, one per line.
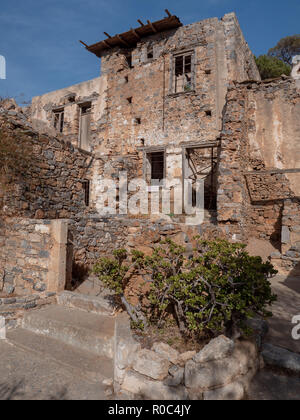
<point>95,304</point>
<point>86,331</point>
<point>78,362</point>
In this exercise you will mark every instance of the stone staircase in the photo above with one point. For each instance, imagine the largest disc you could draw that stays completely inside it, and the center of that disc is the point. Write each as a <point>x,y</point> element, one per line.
<point>78,333</point>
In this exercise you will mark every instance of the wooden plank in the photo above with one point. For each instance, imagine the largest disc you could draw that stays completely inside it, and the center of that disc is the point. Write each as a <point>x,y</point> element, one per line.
<point>135,34</point>
<point>108,36</point>
<point>106,44</point>
<point>122,40</point>
<point>83,43</point>
<point>168,13</point>
<point>152,26</point>
<point>140,22</point>
<point>273,171</point>
<point>193,145</point>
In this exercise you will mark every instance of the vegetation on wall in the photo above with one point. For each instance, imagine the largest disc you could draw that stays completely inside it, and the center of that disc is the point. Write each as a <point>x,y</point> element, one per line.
<point>213,291</point>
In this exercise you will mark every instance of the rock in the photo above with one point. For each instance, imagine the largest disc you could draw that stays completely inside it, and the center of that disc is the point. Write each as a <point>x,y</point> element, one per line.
<point>246,355</point>
<point>108,382</point>
<point>8,289</point>
<point>231,392</point>
<point>282,358</point>
<point>151,364</point>
<point>216,349</point>
<point>185,357</point>
<point>212,374</point>
<point>166,351</point>
<point>176,376</point>
<point>145,388</point>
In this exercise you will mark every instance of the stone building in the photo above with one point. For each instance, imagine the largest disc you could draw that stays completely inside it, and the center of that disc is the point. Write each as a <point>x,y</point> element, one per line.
<point>156,110</point>
<point>172,102</point>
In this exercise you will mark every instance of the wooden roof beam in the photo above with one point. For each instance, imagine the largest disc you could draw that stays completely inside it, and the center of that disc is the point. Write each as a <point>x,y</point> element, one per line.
<point>122,40</point>
<point>140,22</point>
<point>135,34</point>
<point>168,13</point>
<point>83,43</point>
<point>106,44</point>
<point>108,36</point>
<point>152,26</point>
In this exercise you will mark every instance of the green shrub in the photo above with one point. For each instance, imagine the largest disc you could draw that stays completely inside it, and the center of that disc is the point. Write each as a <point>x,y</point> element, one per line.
<point>214,291</point>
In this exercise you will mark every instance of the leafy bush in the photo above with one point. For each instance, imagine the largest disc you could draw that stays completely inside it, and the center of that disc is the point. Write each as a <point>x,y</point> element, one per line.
<point>214,291</point>
<point>272,67</point>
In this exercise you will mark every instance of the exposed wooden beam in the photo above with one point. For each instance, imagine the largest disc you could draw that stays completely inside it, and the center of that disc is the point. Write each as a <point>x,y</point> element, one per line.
<point>152,26</point>
<point>83,43</point>
<point>140,22</point>
<point>106,44</point>
<point>122,40</point>
<point>135,34</point>
<point>108,36</point>
<point>274,171</point>
<point>168,13</point>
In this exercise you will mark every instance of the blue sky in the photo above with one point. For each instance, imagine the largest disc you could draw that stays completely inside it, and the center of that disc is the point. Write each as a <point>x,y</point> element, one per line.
<point>39,38</point>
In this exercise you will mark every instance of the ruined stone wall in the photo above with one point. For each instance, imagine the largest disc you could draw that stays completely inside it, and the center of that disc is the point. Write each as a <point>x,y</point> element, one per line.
<point>168,118</point>
<point>32,256</point>
<point>71,99</point>
<point>257,137</point>
<point>135,107</point>
<point>275,133</point>
<point>52,185</point>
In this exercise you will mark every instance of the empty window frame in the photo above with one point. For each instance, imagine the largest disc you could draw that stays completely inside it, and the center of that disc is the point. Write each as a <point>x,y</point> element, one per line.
<point>155,166</point>
<point>201,163</point>
<point>58,120</point>
<point>183,73</point>
<point>156,162</point>
<point>85,126</point>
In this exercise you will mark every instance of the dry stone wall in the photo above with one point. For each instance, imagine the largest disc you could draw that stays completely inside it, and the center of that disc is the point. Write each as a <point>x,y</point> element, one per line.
<point>222,370</point>
<point>52,185</point>
<point>32,256</point>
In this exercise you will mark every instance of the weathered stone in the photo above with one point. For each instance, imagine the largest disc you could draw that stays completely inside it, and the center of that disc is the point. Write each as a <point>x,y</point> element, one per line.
<point>212,374</point>
<point>185,357</point>
<point>154,390</point>
<point>176,376</point>
<point>166,351</point>
<point>151,364</point>
<point>216,349</point>
<point>231,392</point>
<point>282,358</point>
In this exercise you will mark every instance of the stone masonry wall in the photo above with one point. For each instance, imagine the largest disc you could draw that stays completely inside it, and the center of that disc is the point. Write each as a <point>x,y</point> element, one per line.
<point>32,256</point>
<point>253,204</point>
<point>52,186</point>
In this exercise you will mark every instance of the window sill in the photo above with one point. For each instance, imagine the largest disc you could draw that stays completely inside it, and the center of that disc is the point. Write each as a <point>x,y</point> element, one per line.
<point>174,95</point>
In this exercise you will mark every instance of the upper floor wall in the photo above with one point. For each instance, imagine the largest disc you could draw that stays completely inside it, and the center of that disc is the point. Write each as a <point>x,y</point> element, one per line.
<point>62,111</point>
<point>171,87</point>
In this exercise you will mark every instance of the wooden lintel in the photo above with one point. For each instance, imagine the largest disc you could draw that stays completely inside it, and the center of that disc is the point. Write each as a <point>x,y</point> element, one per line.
<point>140,22</point>
<point>108,36</point>
<point>152,26</point>
<point>135,34</point>
<point>273,171</point>
<point>168,13</point>
<point>123,41</point>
